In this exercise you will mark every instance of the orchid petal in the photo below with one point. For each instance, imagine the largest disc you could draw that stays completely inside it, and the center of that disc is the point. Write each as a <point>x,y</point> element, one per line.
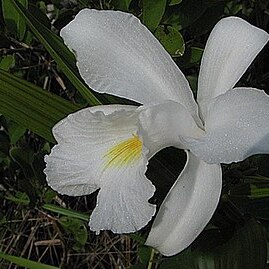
<point>231,47</point>
<point>116,54</point>
<point>236,127</point>
<point>187,208</point>
<point>162,126</point>
<point>122,203</point>
<point>99,148</point>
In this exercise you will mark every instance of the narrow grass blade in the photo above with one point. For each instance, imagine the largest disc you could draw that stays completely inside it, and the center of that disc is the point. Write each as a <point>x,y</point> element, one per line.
<point>25,262</point>
<point>66,212</point>
<point>31,106</point>
<point>61,54</point>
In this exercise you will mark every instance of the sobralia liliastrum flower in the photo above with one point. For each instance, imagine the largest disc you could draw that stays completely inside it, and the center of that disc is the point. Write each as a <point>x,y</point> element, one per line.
<point>108,147</point>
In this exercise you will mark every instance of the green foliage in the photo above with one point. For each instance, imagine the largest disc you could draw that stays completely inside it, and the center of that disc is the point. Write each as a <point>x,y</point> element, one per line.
<point>14,21</point>
<point>20,198</point>
<point>174,2</point>
<point>253,189</point>
<point>15,132</point>
<point>183,260</point>
<point>61,54</point>
<point>153,11</point>
<point>185,14</point>
<point>31,106</point>
<point>171,39</point>
<point>245,248</point>
<point>66,212</point>
<point>144,254</point>
<point>25,262</point>
<point>121,4</point>
<point>77,228</point>
<point>191,57</point>
<point>24,158</point>
<point>7,62</point>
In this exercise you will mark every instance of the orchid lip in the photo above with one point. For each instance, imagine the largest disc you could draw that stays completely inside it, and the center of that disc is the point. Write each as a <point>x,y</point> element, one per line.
<point>124,153</point>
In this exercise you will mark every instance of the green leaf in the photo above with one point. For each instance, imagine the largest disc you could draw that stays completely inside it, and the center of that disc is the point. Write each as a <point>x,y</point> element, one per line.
<point>184,14</point>
<point>77,228</point>
<point>66,212</point>
<point>20,198</point>
<point>24,158</point>
<point>233,7</point>
<point>259,190</point>
<point>255,189</point>
<point>15,132</point>
<point>193,83</point>
<point>144,253</point>
<point>174,2</point>
<point>61,54</point>
<point>184,260</point>
<point>14,21</point>
<point>243,246</point>
<point>49,195</point>
<point>192,56</point>
<point>7,62</point>
<point>246,248</point>
<point>25,262</point>
<point>171,39</point>
<point>137,237</point>
<point>153,11</point>
<point>31,106</point>
<point>37,12</point>
<point>121,4</point>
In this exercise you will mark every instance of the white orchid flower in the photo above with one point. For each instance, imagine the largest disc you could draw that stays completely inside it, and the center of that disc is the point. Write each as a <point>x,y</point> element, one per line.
<point>108,147</point>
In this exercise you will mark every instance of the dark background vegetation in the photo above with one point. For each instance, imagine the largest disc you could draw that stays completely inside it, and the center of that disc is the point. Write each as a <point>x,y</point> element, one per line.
<point>38,224</point>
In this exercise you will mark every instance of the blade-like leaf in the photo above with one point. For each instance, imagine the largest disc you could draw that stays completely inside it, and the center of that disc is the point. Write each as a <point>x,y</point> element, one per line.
<point>60,53</point>
<point>13,20</point>
<point>247,248</point>
<point>241,247</point>
<point>26,263</point>
<point>255,189</point>
<point>66,212</point>
<point>31,106</point>
<point>153,11</point>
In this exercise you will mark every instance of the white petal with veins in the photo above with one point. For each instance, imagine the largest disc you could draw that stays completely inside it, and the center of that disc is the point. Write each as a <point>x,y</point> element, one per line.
<point>116,54</point>
<point>122,203</point>
<point>237,126</point>
<point>231,47</point>
<point>99,148</point>
<point>187,208</point>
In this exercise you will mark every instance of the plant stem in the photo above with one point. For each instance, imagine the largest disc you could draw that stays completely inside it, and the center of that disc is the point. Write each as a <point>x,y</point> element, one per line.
<point>151,258</point>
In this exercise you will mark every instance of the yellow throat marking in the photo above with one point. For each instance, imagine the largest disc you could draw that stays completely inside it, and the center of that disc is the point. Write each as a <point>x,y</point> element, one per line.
<point>124,153</point>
